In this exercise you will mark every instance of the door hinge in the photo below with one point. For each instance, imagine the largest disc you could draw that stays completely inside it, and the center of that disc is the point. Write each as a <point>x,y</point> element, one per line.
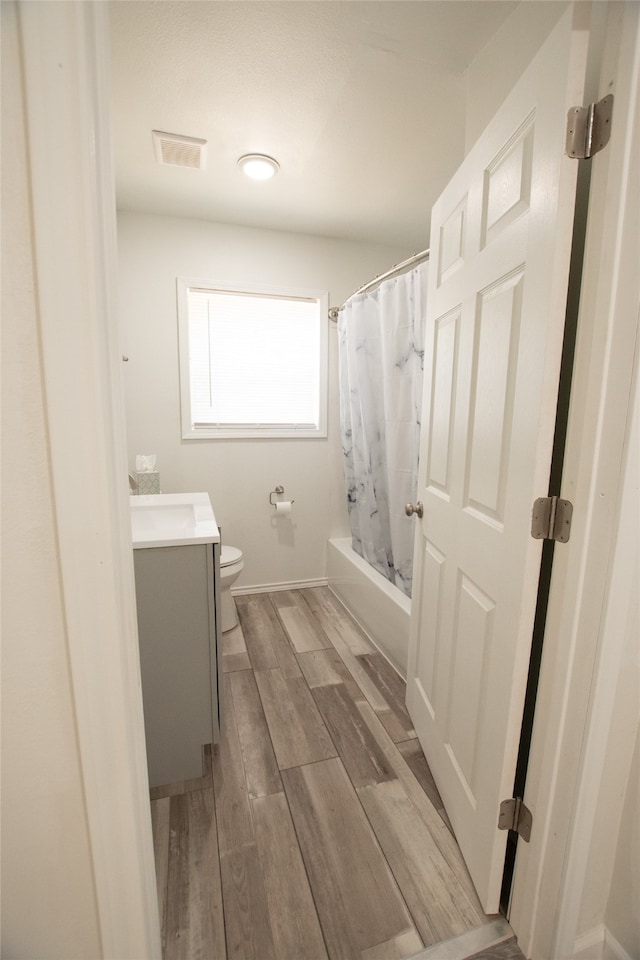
<point>589,128</point>
<point>514,815</point>
<point>551,519</point>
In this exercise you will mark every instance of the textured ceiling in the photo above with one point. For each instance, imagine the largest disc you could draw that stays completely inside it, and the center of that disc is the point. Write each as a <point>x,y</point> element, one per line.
<point>362,102</point>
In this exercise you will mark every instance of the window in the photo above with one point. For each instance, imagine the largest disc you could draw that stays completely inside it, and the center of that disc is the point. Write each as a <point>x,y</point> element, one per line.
<point>253,362</point>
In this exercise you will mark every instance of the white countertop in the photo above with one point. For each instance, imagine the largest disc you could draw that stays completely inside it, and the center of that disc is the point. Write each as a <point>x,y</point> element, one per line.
<point>172,520</point>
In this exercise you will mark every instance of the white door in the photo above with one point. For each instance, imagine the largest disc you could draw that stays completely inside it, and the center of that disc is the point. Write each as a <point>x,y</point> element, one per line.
<point>500,246</point>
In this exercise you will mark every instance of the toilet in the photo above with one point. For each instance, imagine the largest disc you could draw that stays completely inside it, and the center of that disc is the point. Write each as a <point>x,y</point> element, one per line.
<point>231,566</point>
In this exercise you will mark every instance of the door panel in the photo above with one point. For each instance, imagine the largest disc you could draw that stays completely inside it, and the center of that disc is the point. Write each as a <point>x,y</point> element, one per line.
<point>495,354</point>
<point>440,440</point>
<point>500,245</point>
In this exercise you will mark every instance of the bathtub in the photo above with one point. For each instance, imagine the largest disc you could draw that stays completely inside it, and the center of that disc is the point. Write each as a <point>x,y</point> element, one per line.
<point>377,605</point>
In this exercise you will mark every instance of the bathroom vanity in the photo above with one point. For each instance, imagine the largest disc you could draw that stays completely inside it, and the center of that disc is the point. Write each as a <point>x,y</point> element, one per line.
<point>177,562</point>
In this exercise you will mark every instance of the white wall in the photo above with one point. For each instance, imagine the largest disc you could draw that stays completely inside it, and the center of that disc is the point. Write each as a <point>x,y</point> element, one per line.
<point>237,474</point>
<point>48,893</point>
<point>503,60</point>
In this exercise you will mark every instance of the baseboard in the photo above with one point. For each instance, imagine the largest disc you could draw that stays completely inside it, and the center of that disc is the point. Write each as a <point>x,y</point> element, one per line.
<point>613,950</point>
<point>490,934</point>
<point>590,945</point>
<point>303,585</point>
<point>599,944</point>
<point>274,587</point>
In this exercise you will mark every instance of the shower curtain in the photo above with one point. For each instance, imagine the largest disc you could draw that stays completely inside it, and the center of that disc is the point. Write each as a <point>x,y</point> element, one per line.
<point>381,356</point>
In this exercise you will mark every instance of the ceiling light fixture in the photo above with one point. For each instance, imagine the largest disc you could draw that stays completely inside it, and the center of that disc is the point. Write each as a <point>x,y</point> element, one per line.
<point>258,166</point>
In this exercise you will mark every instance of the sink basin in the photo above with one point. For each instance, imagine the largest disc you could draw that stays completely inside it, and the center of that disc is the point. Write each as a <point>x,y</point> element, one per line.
<point>172,520</point>
<point>162,516</point>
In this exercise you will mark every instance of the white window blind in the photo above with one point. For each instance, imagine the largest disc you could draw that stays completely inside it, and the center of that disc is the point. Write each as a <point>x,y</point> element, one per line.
<point>256,362</point>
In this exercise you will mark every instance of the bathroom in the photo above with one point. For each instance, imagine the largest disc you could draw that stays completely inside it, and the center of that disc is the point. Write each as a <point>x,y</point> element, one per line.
<point>328,248</point>
<point>71,679</point>
<point>334,246</point>
<point>251,245</point>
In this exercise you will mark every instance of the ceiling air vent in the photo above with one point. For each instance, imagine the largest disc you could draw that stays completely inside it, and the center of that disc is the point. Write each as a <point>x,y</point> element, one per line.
<point>180,151</point>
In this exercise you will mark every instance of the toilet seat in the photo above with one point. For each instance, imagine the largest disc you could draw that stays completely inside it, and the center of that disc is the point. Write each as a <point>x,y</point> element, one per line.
<point>229,555</point>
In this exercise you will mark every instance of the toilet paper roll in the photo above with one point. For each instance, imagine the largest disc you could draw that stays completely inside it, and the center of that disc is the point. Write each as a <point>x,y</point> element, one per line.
<point>283,506</point>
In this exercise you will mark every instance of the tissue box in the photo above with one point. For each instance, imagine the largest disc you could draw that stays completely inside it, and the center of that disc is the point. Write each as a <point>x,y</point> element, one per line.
<point>148,482</point>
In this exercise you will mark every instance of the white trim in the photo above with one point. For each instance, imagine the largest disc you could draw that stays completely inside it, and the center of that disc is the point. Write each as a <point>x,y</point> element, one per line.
<point>275,587</point>
<point>599,944</point>
<point>66,55</point>
<point>576,696</point>
<point>613,949</point>
<point>590,945</point>
<point>483,938</point>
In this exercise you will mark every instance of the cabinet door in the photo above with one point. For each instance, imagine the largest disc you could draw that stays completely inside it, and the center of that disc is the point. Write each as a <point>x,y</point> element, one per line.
<point>177,658</point>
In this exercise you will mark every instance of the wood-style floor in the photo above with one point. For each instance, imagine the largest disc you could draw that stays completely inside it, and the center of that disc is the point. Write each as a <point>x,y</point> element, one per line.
<point>317,832</point>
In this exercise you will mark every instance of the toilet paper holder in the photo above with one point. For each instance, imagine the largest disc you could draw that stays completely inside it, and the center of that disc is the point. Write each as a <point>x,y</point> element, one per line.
<point>279,490</point>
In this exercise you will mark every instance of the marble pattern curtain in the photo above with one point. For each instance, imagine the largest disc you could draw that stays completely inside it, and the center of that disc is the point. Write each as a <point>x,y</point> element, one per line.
<point>381,356</point>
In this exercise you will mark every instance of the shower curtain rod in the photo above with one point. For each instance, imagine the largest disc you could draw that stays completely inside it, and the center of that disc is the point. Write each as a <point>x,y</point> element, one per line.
<point>397,268</point>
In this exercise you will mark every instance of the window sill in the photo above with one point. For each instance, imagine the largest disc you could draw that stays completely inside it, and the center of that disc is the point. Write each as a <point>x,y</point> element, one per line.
<point>255,433</point>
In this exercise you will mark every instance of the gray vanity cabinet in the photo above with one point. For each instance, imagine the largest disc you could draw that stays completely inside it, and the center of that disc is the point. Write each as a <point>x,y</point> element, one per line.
<point>176,592</point>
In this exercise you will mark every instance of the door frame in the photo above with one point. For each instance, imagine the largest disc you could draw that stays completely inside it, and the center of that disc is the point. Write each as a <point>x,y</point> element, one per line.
<point>584,638</point>
<point>65,72</point>
<point>547,870</point>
